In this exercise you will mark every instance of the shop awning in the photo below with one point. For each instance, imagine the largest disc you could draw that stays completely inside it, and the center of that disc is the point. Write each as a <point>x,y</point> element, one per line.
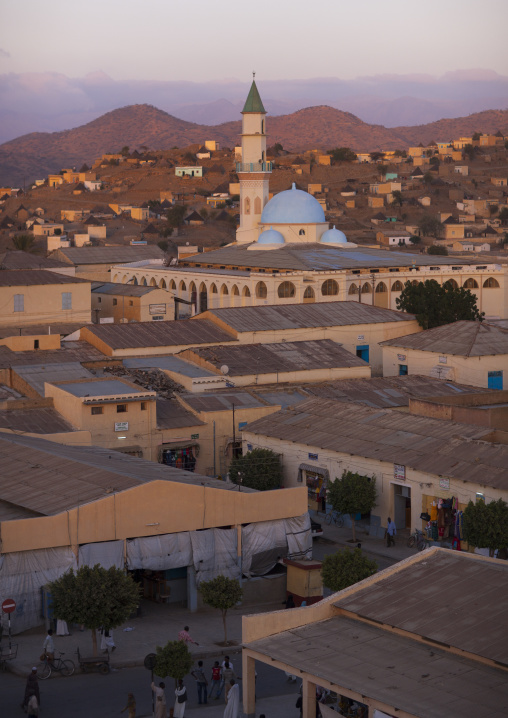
<point>179,444</point>
<point>314,470</point>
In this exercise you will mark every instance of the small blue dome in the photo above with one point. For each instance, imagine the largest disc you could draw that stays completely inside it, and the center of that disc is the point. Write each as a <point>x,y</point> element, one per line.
<point>293,207</point>
<point>333,236</point>
<point>270,236</point>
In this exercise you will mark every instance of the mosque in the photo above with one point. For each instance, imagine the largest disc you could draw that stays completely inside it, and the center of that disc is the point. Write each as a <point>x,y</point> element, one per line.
<point>286,253</point>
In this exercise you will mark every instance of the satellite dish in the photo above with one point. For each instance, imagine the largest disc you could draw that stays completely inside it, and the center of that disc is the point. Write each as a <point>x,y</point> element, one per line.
<point>224,369</point>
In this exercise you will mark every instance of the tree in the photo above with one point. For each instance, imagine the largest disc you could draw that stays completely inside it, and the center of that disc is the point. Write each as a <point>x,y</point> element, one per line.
<point>434,161</point>
<point>258,469</point>
<point>125,150</point>
<point>344,568</point>
<point>204,213</point>
<point>397,197</point>
<point>434,304</point>
<point>429,226</point>
<point>469,152</point>
<point>428,177</point>
<point>163,244</point>
<point>222,593</point>
<point>174,660</point>
<point>343,154</point>
<point>414,239</point>
<point>437,249</point>
<point>24,242</point>
<point>493,208</point>
<point>476,137</point>
<point>486,525</point>
<point>175,215</point>
<point>375,156</point>
<point>353,494</point>
<point>503,215</point>
<point>95,597</point>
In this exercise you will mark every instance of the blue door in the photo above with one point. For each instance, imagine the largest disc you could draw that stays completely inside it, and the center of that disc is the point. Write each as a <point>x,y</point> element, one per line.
<point>362,351</point>
<point>495,380</point>
<point>402,369</point>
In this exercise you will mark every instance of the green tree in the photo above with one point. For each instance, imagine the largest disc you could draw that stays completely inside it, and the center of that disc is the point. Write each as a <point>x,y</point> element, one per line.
<point>469,152</point>
<point>476,137</point>
<point>204,213</point>
<point>24,242</point>
<point>174,660</point>
<point>493,209</point>
<point>437,249</point>
<point>414,239</point>
<point>428,177</point>
<point>429,226</point>
<point>163,244</point>
<point>503,215</point>
<point>434,161</point>
<point>375,156</point>
<point>95,597</point>
<point>222,593</point>
<point>353,494</point>
<point>397,197</point>
<point>175,215</point>
<point>434,304</point>
<point>486,525</point>
<point>346,567</point>
<point>258,469</point>
<point>343,154</point>
<point>125,150</point>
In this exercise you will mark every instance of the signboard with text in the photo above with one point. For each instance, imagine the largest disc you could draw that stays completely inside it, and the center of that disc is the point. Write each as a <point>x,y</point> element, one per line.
<point>399,472</point>
<point>157,308</point>
<point>121,425</point>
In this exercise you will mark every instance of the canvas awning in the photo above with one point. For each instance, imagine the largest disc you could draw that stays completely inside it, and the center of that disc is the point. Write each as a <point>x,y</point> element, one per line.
<point>315,470</point>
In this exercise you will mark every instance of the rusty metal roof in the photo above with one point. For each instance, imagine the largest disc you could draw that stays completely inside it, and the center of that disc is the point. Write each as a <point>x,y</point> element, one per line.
<point>433,446</point>
<point>470,339</point>
<point>110,255</point>
<point>302,316</point>
<point>284,357</point>
<point>26,260</point>
<point>222,401</point>
<point>159,334</point>
<point>76,352</point>
<point>35,277</point>
<point>172,415</point>
<point>463,595</point>
<point>40,420</point>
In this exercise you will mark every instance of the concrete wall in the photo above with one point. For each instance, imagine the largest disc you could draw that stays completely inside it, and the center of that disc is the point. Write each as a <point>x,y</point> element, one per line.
<point>134,308</point>
<point>43,304</point>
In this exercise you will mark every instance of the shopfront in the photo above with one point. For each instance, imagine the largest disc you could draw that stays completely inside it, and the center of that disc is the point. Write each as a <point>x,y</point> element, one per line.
<point>316,479</point>
<point>442,516</point>
<point>180,454</point>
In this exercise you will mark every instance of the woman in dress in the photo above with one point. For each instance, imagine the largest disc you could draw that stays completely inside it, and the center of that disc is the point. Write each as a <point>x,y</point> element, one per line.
<point>181,700</point>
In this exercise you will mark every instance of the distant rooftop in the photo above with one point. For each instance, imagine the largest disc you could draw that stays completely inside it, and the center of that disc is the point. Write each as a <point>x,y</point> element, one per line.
<point>221,401</point>
<point>127,290</point>
<point>101,387</point>
<point>110,255</point>
<point>35,277</point>
<point>464,338</point>
<point>27,260</point>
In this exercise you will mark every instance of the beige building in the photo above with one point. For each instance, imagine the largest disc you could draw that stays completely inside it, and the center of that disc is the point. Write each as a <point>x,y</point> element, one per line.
<point>129,303</point>
<point>467,352</point>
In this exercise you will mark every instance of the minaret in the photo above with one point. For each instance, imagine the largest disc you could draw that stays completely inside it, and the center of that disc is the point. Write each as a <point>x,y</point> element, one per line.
<point>253,171</point>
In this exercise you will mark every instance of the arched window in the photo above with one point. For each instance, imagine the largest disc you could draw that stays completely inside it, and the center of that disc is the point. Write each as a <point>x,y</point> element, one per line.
<point>470,283</point>
<point>246,292</point>
<point>397,286</point>
<point>262,127</point>
<point>286,290</point>
<point>257,206</point>
<point>224,290</point>
<point>144,283</point>
<point>115,278</point>
<point>162,284</point>
<point>153,283</point>
<point>452,283</point>
<point>172,284</point>
<point>246,205</point>
<point>234,291</point>
<point>192,288</point>
<point>353,289</point>
<point>213,289</point>
<point>367,288</point>
<point>183,286</point>
<point>415,282</point>
<point>135,281</point>
<point>302,233</point>
<point>381,288</point>
<point>329,288</point>
<point>309,293</point>
<point>490,283</point>
<point>261,291</point>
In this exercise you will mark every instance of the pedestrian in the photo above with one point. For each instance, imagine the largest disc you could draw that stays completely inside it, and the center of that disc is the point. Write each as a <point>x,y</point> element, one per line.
<point>232,700</point>
<point>107,641</point>
<point>62,628</point>
<point>185,636</point>
<point>160,700</point>
<point>391,532</point>
<point>49,646</point>
<point>181,700</point>
<point>32,708</point>
<point>131,706</point>
<point>31,688</point>
<point>228,675</point>
<point>201,683</point>
<point>216,681</point>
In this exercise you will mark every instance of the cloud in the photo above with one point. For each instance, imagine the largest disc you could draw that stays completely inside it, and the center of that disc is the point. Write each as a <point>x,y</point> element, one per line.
<point>4,53</point>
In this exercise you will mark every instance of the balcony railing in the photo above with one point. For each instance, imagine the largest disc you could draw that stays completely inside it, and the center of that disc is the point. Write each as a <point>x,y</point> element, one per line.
<point>253,166</point>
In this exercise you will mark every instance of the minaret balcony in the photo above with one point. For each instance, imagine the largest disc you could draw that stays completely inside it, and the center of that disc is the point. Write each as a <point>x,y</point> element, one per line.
<point>253,166</point>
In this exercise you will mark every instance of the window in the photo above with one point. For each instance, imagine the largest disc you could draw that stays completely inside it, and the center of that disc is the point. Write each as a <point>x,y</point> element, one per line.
<point>353,289</point>
<point>235,291</point>
<point>381,288</point>
<point>66,300</point>
<point>471,283</point>
<point>309,293</point>
<point>143,405</point>
<point>367,288</point>
<point>329,288</point>
<point>490,283</point>
<point>36,343</point>
<point>99,299</point>
<point>224,289</point>
<point>97,410</point>
<point>257,206</point>
<point>302,233</point>
<point>286,290</point>
<point>247,205</point>
<point>213,289</point>
<point>397,286</point>
<point>115,302</point>
<point>452,283</point>
<point>403,370</point>
<point>131,302</point>
<point>121,408</point>
<point>261,291</point>
<point>19,302</point>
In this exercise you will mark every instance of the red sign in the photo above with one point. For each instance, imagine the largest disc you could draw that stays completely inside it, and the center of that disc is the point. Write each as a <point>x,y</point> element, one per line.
<point>9,605</point>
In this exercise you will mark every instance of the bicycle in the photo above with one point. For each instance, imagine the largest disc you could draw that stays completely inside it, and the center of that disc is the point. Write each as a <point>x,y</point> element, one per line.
<point>418,538</point>
<point>46,666</point>
<point>336,517</point>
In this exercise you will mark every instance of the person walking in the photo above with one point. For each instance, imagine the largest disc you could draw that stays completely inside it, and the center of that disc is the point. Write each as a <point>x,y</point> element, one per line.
<point>228,675</point>
<point>160,700</point>
<point>181,700</point>
<point>31,688</point>
<point>107,641</point>
<point>186,637</point>
<point>32,708</point>
<point>131,706</point>
<point>49,646</point>
<point>216,681</point>
<point>232,700</point>
<point>201,683</point>
<point>391,532</point>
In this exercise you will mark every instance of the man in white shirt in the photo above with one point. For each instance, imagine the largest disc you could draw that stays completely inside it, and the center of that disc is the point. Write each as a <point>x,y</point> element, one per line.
<point>49,646</point>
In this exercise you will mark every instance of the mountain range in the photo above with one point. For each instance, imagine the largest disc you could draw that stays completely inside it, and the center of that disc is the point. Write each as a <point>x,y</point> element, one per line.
<point>34,155</point>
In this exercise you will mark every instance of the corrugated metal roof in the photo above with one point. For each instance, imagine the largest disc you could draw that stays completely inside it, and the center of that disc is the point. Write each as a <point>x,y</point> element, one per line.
<point>159,334</point>
<point>470,339</point>
<point>317,257</point>
<point>301,316</point>
<point>62,328</point>
<point>221,401</point>
<point>26,260</point>
<point>172,415</point>
<point>284,357</point>
<point>126,290</point>
<point>77,352</point>
<point>35,277</point>
<point>110,255</point>
<point>169,363</point>
<point>467,611</point>
<point>36,375</point>
<point>430,445</point>
<point>101,387</point>
<point>40,420</point>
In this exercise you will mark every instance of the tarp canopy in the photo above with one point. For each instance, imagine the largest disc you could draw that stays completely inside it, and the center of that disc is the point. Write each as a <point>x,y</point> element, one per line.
<point>105,553</point>
<point>160,553</point>
<point>214,552</point>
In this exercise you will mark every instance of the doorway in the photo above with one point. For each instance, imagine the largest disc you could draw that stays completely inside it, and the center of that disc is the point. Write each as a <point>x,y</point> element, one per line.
<point>402,506</point>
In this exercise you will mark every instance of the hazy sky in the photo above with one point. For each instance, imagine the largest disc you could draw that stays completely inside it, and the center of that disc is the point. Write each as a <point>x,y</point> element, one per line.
<point>218,39</point>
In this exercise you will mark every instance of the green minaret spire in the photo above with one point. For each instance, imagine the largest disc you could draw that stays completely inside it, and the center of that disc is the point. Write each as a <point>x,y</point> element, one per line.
<point>253,102</point>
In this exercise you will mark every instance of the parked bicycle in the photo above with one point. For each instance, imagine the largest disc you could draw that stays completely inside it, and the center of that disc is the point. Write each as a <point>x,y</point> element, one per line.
<point>45,667</point>
<point>336,518</point>
<point>418,538</point>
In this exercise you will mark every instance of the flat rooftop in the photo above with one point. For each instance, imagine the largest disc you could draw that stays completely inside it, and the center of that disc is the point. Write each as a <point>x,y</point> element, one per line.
<point>100,387</point>
<point>168,363</point>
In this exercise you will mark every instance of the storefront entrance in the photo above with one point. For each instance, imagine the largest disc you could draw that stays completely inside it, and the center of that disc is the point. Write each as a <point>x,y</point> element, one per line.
<point>179,455</point>
<point>316,479</point>
<point>402,506</point>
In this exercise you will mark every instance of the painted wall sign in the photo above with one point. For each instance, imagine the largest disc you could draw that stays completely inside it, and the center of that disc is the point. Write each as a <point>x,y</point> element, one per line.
<point>121,425</point>
<point>313,457</point>
<point>444,483</point>
<point>157,308</point>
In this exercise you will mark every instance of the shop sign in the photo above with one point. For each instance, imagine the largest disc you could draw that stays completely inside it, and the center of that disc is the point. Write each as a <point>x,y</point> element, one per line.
<point>157,308</point>
<point>401,357</point>
<point>313,457</point>
<point>242,425</point>
<point>194,436</point>
<point>360,338</point>
<point>399,472</point>
<point>121,426</point>
<point>443,360</point>
<point>249,447</point>
<point>444,484</point>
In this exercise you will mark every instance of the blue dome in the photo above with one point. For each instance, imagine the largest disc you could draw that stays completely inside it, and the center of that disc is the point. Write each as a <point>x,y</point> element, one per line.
<point>293,207</point>
<point>270,236</point>
<point>333,236</point>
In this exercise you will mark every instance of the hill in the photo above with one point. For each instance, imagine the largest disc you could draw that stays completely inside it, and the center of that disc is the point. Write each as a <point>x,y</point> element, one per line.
<point>35,155</point>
